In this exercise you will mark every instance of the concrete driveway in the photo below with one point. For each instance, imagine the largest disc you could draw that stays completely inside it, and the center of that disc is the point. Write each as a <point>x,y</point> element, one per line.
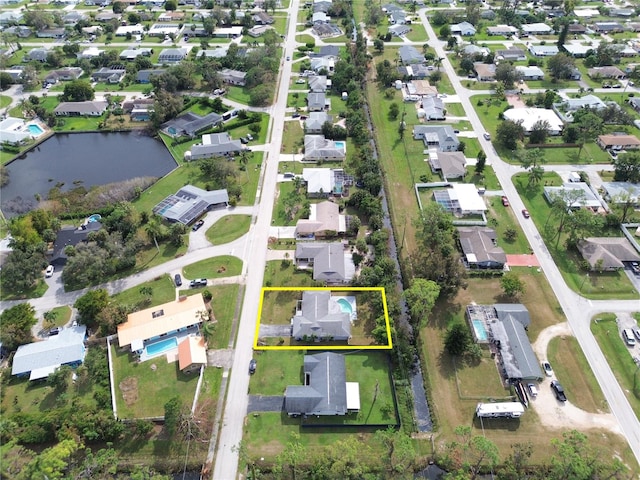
<point>265,403</point>
<point>275,330</point>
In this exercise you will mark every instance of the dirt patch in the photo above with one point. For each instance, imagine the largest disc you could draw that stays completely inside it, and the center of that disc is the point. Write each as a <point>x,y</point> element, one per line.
<point>515,101</point>
<point>523,260</point>
<point>129,389</point>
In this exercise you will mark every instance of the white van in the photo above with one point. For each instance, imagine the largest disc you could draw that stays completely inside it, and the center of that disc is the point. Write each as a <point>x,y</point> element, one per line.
<point>629,339</point>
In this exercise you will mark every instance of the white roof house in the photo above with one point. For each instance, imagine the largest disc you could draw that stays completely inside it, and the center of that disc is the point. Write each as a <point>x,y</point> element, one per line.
<point>543,50</point>
<point>530,73</point>
<point>461,198</point>
<point>529,116</point>
<point>132,29</point>
<point>39,359</point>
<point>12,130</point>
<point>536,28</point>
<point>583,196</point>
<point>318,179</point>
<point>578,50</point>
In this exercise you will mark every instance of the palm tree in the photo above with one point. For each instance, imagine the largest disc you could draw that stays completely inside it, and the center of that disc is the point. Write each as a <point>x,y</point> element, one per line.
<point>438,62</point>
<point>244,161</point>
<point>208,330</point>
<point>154,229</point>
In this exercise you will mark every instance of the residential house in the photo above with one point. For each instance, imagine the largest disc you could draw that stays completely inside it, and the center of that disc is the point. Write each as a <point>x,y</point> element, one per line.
<point>14,131</point>
<point>635,103</point>
<point>10,17</point>
<point>607,253</point>
<point>622,12</point>
<point>577,50</point>
<point>511,54</point>
<point>529,116</point>
<point>621,192</point>
<point>189,203</point>
<point>410,55</point>
<point>389,8</point>
<point>504,30</point>
<point>461,199</point>
<point>73,17</point>
<point>109,75</point>
<point>536,28</point>
<point>190,124</point>
<point>577,29</point>
<point>144,76</point>
<point>416,71</point>
<point>314,122</point>
<point>432,108</point>
<point>317,102</point>
<point>217,52</point>
<point>488,14</point>
<point>38,360</point>
<point>58,33</point>
<point>36,55</point>
<point>15,73</point>
<point>568,107</point>
<point>530,73</point>
<point>320,17</point>
<point>606,72</point>
<point>480,249</point>
<point>464,28</point>
<point>171,16</point>
<point>19,31</point>
<point>485,72</point>
<point>326,391</point>
<point>618,142</point>
<point>577,194</point>
<point>324,221</point>
<point>399,30</point>
<point>192,354</point>
<point>65,74</point>
<point>233,77</point>
<point>323,6</point>
<point>148,326</point>
<point>132,30</point>
<point>139,109</point>
<point>326,182</point>
<point>474,50</point>
<point>227,32</point>
<point>328,51</point>
<point>214,145</point>
<point>70,236</point>
<point>89,53</point>
<point>262,18</point>
<point>258,30</point>
<point>319,317</point>
<point>133,53</point>
<point>451,165</point>
<point>91,108</point>
<point>332,263</point>
<point>398,18</point>
<point>319,83</point>
<point>323,65</point>
<point>439,137</point>
<point>317,147</point>
<point>607,27</point>
<point>164,29</point>
<point>421,88</point>
<point>172,55</point>
<point>105,17</point>
<point>325,29</point>
<point>543,50</point>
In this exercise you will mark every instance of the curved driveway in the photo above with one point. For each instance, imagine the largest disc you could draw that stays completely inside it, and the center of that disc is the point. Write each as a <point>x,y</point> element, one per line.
<point>577,309</point>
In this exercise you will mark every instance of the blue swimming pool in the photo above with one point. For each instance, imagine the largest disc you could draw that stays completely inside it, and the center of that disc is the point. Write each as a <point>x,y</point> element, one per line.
<point>481,332</point>
<point>345,305</point>
<point>34,129</point>
<point>94,218</point>
<point>340,144</point>
<point>161,346</point>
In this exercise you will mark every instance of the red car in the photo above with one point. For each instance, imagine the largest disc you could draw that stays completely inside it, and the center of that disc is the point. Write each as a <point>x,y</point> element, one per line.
<point>505,201</point>
<point>525,213</point>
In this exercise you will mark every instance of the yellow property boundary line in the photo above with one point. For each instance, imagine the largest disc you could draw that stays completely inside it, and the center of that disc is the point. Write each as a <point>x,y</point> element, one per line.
<point>323,347</point>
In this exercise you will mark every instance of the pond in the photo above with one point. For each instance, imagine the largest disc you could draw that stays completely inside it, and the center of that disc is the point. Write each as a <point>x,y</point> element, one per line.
<point>86,159</point>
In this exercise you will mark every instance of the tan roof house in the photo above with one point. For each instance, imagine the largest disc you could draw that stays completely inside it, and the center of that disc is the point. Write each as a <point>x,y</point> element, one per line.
<point>607,253</point>
<point>606,72</point>
<point>192,354</point>
<point>325,220</point>
<point>485,72</point>
<point>618,142</point>
<point>151,324</point>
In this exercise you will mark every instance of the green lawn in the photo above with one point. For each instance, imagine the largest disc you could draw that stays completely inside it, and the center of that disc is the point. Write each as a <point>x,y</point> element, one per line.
<point>238,94</point>
<point>605,329</point>
<point>292,137</point>
<point>4,101</point>
<point>36,291</point>
<point>215,267</point>
<point>223,303</point>
<point>501,219</point>
<point>148,385</point>
<point>277,274</point>
<point>285,190</point>
<point>417,33</point>
<point>162,291</point>
<point>583,390</point>
<point>170,183</point>
<point>228,228</point>
<point>455,109</point>
<point>62,315</point>
<point>597,286</point>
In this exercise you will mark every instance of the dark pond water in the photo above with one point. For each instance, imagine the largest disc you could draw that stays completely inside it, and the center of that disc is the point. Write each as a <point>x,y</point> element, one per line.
<point>88,159</point>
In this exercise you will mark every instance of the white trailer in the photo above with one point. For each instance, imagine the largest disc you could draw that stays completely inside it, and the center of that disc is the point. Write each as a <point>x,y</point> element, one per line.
<point>500,410</point>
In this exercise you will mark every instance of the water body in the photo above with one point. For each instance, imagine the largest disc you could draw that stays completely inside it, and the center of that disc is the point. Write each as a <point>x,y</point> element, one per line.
<point>86,159</point>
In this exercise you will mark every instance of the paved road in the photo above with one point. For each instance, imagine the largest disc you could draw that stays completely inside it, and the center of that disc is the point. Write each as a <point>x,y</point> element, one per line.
<point>226,461</point>
<point>577,309</point>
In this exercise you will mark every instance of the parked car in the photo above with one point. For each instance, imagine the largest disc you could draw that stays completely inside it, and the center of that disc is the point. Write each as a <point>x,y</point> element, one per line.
<point>295,115</point>
<point>49,271</point>
<point>55,331</point>
<point>487,136</point>
<point>635,268</point>
<point>525,213</point>
<point>558,390</point>
<point>252,366</point>
<point>249,137</point>
<point>244,140</point>
<point>197,225</point>
<point>636,332</point>
<point>198,282</point>
<point>606,85</point>
<point>300,81</point>
<point>505,201</point>
<point>617,85</point>
<point>548,371</point>
<point>629,337</point>
<point>177,279</point>
<point>533,390</point>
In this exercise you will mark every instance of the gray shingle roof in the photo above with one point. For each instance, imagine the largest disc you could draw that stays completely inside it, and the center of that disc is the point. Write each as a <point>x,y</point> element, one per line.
<point>320,317</point>
<point>326,393</point>
<point>478,243</point>
<point>329,262</point>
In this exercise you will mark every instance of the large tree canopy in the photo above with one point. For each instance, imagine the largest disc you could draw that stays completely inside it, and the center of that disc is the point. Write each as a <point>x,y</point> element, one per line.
<point>16,323</point>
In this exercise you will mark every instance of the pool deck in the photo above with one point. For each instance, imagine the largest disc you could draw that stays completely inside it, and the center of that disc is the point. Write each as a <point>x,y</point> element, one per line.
<point>172,353</point>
